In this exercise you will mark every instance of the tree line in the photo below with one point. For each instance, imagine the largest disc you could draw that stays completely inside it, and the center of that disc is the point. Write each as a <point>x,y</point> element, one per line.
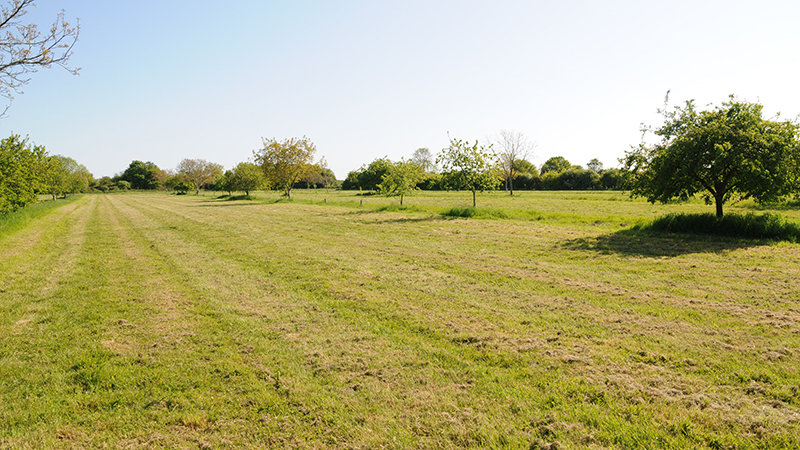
<point>726,154</point>
<point>27,170</point>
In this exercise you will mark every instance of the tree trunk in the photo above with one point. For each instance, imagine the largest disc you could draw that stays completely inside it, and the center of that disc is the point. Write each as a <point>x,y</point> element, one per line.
<point>719,207</point>
<point>473,199</point>
<point>511,184</point>
<point>401,199</point>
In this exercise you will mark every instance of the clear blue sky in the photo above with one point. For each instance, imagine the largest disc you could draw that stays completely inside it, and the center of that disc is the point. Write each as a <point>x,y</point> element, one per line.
<point>165,80</point>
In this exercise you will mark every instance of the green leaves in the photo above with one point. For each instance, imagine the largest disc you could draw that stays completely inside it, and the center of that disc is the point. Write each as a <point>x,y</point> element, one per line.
<point>725,153</point>
<point>471,167</point>
<point>20,172</point>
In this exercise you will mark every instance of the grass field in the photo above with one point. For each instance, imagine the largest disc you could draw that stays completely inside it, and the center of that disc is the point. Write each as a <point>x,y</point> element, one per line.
<point>162,321</point>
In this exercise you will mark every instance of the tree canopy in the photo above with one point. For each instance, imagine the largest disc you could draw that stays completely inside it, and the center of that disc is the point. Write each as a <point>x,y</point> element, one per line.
<point>285,163</point>
<point>141,175</point>
<point>555,164</point>
<point>20,172</point>
<point>728,152</point>
<point>200,172</point>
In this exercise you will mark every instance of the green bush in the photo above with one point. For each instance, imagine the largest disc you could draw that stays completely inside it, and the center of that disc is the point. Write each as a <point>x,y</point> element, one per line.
<point>749,226</point>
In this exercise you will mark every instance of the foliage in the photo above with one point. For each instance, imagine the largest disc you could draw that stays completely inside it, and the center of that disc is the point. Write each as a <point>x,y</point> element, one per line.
<point>612,179</point>
<point>320,175</point>
<point>728,153</point>
<point>555,164</point>
<point>62,175</point>
<point>141,175</point>
<point>246,177</point>
<point>105,184</point>
<point>748,226</point>
<point>514,147</point>
<point>595,166</point>
<point>470,167</point>
<point>425,160</point>
<point>401,178</point>
<point>180,183</point>
<point>24,49</point>
<point>367,178</point>
<point>285,163</point>
<point>123,185</point>
<point>20,172</point>
<point>55,176</point>
<point>200,172</point>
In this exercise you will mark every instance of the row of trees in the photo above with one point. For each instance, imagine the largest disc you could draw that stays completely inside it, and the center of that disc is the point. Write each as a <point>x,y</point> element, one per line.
<point>27,170</point>
<point>556,174</point>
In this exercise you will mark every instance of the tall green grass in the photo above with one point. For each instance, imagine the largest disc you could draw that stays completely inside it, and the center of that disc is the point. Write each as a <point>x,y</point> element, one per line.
<point>13,221</point>
<point>748,226</point>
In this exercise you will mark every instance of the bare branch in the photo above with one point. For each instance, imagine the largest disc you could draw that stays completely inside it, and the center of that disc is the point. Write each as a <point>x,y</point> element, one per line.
<point>24,49</point>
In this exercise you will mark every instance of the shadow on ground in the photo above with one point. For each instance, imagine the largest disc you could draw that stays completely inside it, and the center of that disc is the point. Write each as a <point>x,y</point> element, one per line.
<point>641,243</point>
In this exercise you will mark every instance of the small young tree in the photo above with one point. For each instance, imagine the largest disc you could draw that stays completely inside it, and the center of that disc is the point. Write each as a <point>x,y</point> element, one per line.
<point>401,178</point>
<point>728,152</point>
<point>285,163</point>
<point>470,167</point>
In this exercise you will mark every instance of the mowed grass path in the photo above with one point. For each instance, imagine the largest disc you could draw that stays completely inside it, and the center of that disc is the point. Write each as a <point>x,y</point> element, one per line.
<point>156,321</point>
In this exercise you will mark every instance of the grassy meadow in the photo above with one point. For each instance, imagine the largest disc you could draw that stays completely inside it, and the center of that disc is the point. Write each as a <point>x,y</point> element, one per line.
<point>338,320</point>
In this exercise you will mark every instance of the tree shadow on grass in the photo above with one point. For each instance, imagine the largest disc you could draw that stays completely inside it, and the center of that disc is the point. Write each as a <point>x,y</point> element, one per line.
<point>651,244</point>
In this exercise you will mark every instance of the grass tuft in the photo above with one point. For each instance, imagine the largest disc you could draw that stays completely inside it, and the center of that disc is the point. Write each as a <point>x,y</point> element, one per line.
<point>394,207</point>
<point>748,226</point>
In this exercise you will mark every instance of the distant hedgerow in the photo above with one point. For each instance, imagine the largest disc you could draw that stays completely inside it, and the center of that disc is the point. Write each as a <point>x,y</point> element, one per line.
<point>748,226</point>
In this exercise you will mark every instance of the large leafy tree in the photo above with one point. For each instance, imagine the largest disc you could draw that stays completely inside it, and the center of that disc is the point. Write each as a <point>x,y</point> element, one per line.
<point>469,167</point>
<point>20,172</point>
<point>246,177</point>
<point>25,49</point>
<point>200,172</point>
<point>141,175</point>
<point>401,178</point>
<point>555,164</point>
<point>728,152</point>
<point>287,162</point>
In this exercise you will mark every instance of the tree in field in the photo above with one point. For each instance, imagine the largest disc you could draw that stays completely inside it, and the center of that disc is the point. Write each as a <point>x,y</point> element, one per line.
<point>180,183</point>
<point>20,172</point>
<point>320,174</point>
<point>200,172</point>
<point>401,178</point>
<point>55,176</point>
<point>729,152</point>
<point>595,166</point>
<point>555,164</point>
<point>24,49</point>
<point>141,175</point>
<point>469,167</point>
<point>285,163</point>
<point>424,159</point>
<point>513,146</point>
<point>247,177</point>
<point>368,177</point>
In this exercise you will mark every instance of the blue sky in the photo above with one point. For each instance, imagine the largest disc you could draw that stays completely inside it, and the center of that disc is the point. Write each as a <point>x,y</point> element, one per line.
<point>165,80</point>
